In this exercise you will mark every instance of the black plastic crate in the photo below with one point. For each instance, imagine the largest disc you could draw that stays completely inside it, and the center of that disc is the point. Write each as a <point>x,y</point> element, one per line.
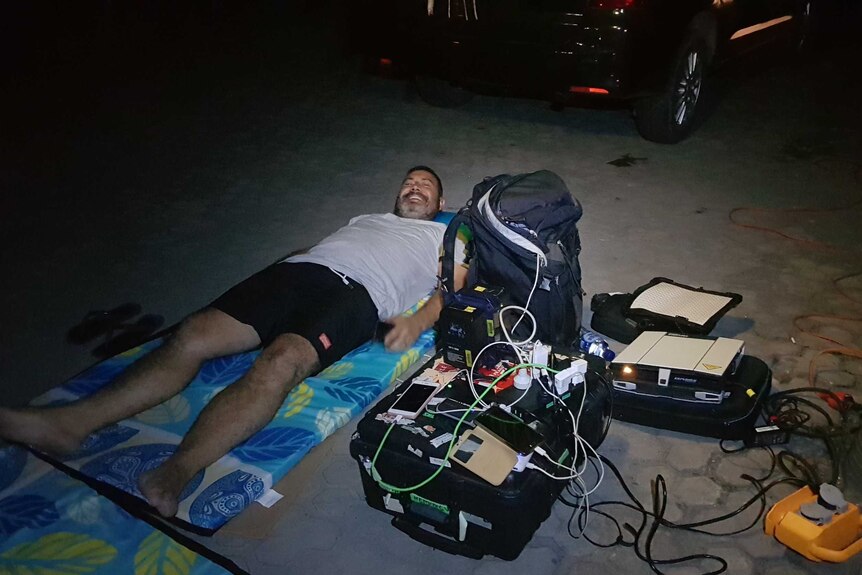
<point>458,512</point>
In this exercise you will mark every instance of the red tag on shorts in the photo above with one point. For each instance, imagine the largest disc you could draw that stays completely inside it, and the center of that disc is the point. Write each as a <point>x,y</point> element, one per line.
<point>325,341</point>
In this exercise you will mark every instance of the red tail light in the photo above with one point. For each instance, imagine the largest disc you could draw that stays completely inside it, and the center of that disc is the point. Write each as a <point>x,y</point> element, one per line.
<point>612,4</point>
<point>587,90</point>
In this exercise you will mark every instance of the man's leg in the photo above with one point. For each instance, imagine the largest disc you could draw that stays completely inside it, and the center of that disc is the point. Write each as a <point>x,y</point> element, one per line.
<point>232,416</point>
<point>148,382</point>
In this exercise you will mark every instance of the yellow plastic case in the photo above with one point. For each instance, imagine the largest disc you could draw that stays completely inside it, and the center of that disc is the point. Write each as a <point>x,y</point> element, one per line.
<point>836,541</point>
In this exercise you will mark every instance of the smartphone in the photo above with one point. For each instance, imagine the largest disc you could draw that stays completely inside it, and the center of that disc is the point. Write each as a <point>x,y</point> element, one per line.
<point>455,409</point>
<point>513,430</point>
<point>414,399</point>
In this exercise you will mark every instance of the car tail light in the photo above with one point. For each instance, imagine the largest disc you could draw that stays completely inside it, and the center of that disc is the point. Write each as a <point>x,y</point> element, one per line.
<point>612,4</point>
<point>587,90</point>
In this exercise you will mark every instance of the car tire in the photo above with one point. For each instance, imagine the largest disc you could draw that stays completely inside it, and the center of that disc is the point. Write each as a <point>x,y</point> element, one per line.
<point>669,117</point>
<point>441,93</point>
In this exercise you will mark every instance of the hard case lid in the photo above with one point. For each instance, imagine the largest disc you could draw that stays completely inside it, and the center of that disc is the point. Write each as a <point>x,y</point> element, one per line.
<point>703,355</point>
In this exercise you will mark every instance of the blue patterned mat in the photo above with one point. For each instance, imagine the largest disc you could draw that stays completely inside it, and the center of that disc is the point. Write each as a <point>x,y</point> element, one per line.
<point>53,524</point>
<point>119,454</point>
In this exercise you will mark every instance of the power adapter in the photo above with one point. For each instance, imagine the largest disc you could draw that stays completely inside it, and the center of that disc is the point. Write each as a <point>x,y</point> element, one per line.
<point>572,375</point>
<point>766,435</point>
<point>541,355</point>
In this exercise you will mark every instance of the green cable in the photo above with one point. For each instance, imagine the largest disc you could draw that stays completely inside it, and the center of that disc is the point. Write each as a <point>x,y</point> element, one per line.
<point>375,475</point>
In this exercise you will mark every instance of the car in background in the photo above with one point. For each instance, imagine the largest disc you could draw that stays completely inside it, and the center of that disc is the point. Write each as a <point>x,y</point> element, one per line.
<point>652,54</point>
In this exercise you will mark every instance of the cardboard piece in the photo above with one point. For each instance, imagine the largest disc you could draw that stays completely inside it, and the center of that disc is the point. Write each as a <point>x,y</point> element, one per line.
<point>485,454</point>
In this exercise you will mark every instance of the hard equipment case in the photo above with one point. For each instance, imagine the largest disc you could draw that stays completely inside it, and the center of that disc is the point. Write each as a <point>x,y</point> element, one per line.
<point>734,418</point>
<point>457,511</point>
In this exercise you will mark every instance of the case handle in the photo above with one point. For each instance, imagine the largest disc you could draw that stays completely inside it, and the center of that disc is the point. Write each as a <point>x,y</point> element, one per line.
<point>837,556</point>
<point>417,533</point>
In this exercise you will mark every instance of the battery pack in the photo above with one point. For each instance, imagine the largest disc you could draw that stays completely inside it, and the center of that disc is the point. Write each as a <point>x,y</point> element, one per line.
<point>469,323</point>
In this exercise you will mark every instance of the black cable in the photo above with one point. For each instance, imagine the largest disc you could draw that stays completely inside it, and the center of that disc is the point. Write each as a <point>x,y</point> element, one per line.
<point>620,540</point>
<point>773,462</point>
<point>609,416</point>
<point>785,404</point>
<point>801,428</point>
<point>760,496</point>
<point>802,468</point>
<point>659,506</point>
<point>726,450</point>
<point>792,414</point>
<point>659,503</point>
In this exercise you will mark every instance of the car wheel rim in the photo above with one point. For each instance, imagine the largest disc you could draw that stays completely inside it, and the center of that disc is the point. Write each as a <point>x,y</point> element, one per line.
<point>687,89</point>
<point>804,25</point>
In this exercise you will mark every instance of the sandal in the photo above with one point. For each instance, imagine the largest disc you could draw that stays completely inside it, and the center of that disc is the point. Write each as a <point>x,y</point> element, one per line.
<point>132,335</point>
<point>101,322</point>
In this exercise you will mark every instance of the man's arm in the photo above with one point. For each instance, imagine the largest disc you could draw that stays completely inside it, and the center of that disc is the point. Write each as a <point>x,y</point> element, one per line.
<point>406,330</point>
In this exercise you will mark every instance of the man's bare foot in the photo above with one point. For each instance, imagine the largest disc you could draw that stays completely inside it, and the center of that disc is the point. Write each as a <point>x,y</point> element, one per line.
<point>162,487</point>
<point>39,428</point>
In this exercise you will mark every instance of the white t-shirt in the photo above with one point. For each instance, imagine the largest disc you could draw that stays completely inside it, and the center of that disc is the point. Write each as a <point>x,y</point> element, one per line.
<point>394,258</point>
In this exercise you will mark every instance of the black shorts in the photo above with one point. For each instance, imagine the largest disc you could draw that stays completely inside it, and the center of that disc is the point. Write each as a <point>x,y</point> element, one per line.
<point>306,299</point>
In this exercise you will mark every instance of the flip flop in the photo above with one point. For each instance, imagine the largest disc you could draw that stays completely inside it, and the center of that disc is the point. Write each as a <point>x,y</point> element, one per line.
<point>101,322</point>
<point>132,335</point>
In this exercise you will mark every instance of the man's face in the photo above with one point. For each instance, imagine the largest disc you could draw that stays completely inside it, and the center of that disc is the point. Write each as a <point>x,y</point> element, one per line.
<point>419,197</point>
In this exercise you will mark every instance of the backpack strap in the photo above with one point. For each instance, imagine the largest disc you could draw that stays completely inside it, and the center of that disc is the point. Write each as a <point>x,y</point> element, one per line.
<point>447,280</point>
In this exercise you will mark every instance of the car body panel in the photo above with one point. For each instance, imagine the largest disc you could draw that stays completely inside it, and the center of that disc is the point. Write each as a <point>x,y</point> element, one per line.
<point>546,47</point>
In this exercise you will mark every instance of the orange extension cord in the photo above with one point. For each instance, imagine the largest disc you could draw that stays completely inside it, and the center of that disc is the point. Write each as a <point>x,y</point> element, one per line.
<point>843,349</point>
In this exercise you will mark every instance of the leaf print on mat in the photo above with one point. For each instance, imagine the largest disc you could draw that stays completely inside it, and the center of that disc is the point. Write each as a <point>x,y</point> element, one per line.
<point>359,390</point>
<point>12,462</point>
<point>85,510</point>
<point>336,370</point>
<point>225,370</point>
<point>298,400</point>
<point>329,420</point>
<point>410,357</point>
<point>158,554</point>
<point>102,440</point>
<point>57,554</point>
<point>19,511</point>
<point>94,378</point>
<point>274,443</point>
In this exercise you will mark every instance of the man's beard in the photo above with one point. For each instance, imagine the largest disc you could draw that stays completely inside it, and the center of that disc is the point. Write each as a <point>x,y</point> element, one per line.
<point>418,212</point>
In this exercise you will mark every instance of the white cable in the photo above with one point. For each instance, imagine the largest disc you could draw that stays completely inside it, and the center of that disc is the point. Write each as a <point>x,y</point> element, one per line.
<point>586,497</point>
<point>524,311</point>
<point>580,444</point>
<point>475,362</point>
<point>529,299</point>
<point>520,397</point>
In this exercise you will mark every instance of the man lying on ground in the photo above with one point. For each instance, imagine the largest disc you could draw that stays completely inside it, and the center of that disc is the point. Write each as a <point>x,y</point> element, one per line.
<point>306,312</point>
